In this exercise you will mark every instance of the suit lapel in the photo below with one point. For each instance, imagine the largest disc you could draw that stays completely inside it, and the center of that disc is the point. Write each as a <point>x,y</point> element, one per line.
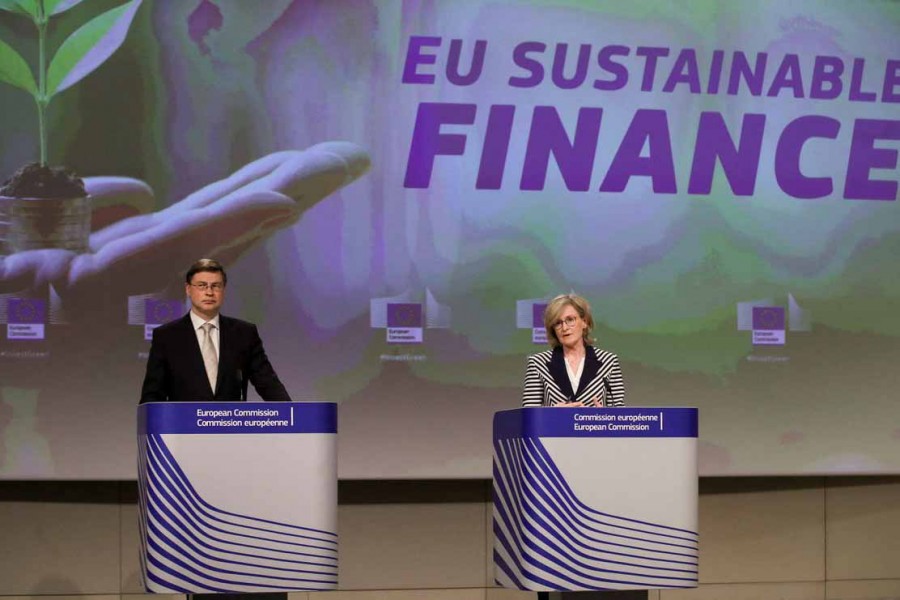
<point>192,350</point>
<point>591,367</point>
<point>559,374</point>
<point>226,349</point>
<point>592,382</point>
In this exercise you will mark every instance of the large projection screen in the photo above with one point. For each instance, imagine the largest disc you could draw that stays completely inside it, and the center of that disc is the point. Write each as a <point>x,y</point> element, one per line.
<point>397,187</point>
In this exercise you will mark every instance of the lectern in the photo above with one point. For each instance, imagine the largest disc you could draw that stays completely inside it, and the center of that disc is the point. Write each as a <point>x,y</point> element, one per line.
<point>595,498</point>
<point>238,497</point>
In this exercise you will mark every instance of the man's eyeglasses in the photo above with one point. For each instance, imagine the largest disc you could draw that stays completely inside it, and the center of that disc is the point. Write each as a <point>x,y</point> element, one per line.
<point>567,322</point>
<point>203,286</point>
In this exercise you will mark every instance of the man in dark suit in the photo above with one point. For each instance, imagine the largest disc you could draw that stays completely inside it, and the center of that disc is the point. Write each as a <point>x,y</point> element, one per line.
<point>206,356</point>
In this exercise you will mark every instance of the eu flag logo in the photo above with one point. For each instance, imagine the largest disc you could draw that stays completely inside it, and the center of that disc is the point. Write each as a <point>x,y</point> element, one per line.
<point>26,311</point>
<point>404,315</point>
<point>768,317</point>
<point>768,326</point>
<point>537,315</point>
<point>158,312</point>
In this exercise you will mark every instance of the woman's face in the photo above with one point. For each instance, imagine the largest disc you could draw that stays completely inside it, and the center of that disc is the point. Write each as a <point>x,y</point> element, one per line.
<point>570,327</point>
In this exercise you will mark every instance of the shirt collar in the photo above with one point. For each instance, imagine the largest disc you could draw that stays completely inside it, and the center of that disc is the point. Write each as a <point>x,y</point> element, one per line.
<point>198,321</point>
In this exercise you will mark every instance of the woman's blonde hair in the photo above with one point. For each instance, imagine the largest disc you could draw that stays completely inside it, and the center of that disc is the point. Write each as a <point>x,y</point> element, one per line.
<point>555,308</point>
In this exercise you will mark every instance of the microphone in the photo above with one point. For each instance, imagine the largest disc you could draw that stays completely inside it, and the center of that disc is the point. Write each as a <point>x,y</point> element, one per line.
<point>608,389</point>
<point>242,389</point>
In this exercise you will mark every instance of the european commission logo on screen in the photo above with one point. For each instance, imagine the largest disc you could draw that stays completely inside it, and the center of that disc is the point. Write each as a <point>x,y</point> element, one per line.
<point>152,310</point>
<point>768,326</point>
<point>769,322</point>
<point>530,315</point>
<point>405,320</point>
<point>25,318</point>
<point>404,323</point>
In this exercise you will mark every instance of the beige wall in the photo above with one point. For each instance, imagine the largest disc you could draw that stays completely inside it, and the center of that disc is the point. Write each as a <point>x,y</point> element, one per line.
<point>761,538</point>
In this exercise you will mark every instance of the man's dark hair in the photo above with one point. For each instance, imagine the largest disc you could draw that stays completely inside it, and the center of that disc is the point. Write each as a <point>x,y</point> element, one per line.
<point>206,265</point>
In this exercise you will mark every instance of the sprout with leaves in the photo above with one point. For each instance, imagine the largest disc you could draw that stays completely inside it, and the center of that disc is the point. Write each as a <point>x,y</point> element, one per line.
<point>78,56</point>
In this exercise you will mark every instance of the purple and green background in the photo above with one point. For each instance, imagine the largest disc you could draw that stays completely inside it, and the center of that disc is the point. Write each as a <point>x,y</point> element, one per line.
<point>681,159</point>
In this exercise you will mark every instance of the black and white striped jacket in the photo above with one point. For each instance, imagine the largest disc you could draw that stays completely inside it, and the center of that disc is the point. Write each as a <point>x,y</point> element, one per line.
<point>547,383</point>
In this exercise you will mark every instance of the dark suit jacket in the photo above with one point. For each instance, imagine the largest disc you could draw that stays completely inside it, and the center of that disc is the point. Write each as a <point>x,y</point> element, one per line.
<point>175,370</point>
<point>547,382</point>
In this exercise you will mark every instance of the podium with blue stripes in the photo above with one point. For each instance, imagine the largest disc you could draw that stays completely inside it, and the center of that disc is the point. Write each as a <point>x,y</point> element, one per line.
<point>238,497</point>
<point>595,498</point>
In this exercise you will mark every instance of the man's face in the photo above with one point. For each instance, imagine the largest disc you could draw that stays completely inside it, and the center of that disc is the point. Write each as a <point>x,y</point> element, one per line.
<point>207,292</point>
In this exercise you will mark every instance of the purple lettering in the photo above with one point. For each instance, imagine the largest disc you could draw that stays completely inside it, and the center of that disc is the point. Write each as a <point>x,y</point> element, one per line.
<point>787,76</point>
<point>428,141</point>
<point>715,72</point>
<point>652,127</point>
<point>864,156</point>
<point>740,71</point>
<point>856,76</point>
<point>618,71</point>
<point>453,74</point>
<point>521,59</point>
<point>559,67</point>
<point>826,78</point>
<point>415,57</point>
<point>740,162</point>
<point>575,159</point>
<point>787,156</point>
<point>496,147</point>
<point>684,71</point>
<point>651,53</point>
<point>891,81</point>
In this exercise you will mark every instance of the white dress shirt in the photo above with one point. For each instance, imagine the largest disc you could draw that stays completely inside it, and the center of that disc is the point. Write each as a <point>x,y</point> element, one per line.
<point>575,378</point>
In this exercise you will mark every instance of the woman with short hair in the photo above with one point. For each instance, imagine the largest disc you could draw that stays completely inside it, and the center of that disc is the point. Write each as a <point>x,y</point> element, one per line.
<point>573,372</point>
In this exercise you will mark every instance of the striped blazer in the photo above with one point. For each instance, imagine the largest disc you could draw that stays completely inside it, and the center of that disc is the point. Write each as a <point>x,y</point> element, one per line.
<point>547,382</point>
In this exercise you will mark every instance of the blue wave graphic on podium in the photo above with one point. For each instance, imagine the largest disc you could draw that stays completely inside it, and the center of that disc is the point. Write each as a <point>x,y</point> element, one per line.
<point>192,546</point>
<point>547,538</point>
